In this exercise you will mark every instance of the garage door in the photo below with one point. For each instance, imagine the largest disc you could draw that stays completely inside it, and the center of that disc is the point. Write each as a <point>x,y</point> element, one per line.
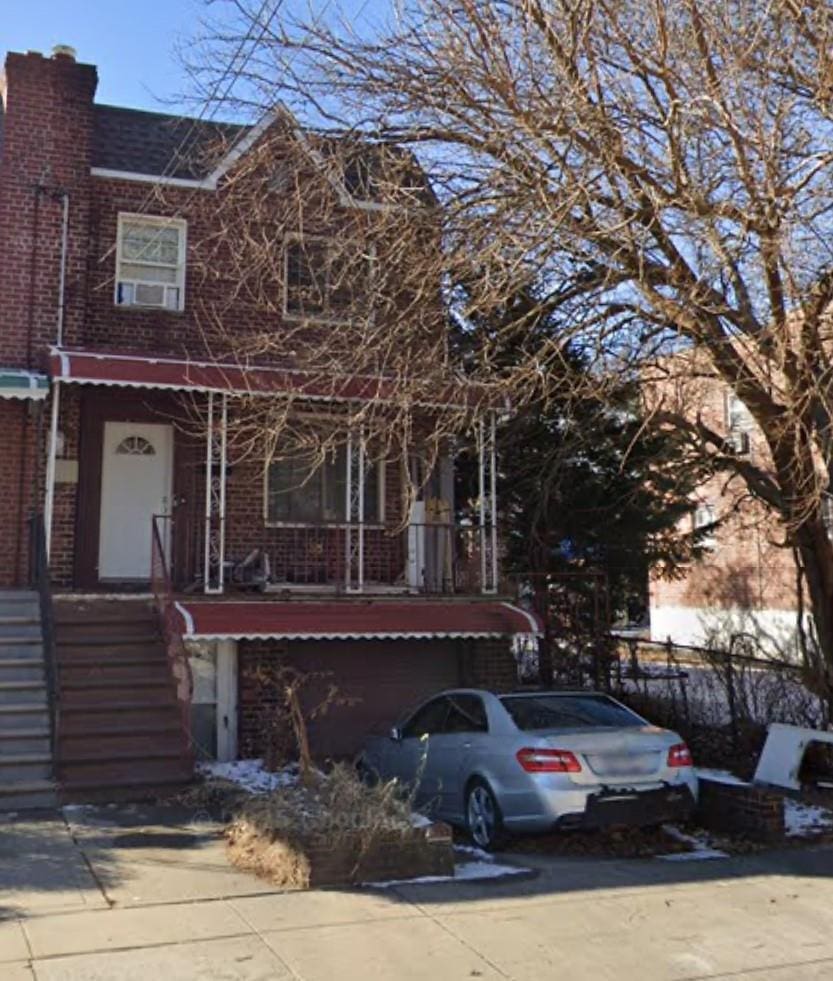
<point>383,679</point>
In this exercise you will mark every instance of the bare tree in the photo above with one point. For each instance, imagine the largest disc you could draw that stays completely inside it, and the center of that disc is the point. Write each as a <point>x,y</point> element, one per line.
<point>664,166</point>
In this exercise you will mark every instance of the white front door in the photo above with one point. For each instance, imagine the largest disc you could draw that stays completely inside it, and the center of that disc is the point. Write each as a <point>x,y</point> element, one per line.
<point>136,473</point>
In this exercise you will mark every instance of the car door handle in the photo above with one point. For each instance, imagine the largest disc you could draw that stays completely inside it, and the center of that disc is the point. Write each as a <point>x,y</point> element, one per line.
<point>467,745</point>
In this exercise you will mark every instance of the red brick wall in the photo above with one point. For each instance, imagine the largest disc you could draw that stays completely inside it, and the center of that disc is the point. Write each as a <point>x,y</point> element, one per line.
<point>384,679</point>
<point>18,448</point>
<point>747,567</point>
<point>46,144</point>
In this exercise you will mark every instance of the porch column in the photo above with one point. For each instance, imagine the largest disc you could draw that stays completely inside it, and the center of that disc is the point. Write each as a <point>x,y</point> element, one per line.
<point>354,510</point>
<point>49,500</point>
<point>216,446</point>
<point>487,501</point>
<point>226,701</point>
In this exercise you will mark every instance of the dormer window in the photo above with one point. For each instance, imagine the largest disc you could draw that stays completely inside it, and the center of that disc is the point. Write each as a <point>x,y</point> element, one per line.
<point>150,262</point>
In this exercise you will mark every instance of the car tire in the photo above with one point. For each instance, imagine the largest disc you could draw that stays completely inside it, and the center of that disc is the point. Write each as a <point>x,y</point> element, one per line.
<point>484,821</point>
<point>366,773</point>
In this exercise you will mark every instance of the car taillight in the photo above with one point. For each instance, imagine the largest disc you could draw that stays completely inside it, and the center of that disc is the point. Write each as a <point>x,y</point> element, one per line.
<point>679,755</point>
<point>547,760</point>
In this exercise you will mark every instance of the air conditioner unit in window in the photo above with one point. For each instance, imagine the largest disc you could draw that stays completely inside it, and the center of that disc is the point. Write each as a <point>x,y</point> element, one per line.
<point>739,443</point>
<point>148,295</point>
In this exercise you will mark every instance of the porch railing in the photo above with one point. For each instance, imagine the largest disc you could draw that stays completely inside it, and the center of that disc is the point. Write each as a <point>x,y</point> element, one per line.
<point>162,589</point>
<point>39,565</point>
<point>428,559</point>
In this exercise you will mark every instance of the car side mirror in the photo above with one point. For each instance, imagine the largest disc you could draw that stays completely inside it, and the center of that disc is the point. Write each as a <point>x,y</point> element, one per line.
<point>396,734</point>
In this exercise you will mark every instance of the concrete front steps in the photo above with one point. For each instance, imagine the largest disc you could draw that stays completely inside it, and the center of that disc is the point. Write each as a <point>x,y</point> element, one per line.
<point>121,735</point>
<point>26,766</point>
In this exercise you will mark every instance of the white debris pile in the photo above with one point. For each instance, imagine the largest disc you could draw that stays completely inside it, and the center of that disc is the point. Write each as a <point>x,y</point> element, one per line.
<point>250,775</point>
<point>700,847</point>
<point>806,820</point>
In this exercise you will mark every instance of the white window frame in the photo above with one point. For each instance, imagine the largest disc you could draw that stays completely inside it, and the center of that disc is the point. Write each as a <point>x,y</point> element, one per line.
<point>294,316</point>
<point>379,522</point>
<point>161,222</point>
<point>700,507</point>
<point>735,405</point>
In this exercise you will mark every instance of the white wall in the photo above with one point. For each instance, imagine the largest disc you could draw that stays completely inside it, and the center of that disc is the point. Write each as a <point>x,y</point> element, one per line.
<point>774,630</point>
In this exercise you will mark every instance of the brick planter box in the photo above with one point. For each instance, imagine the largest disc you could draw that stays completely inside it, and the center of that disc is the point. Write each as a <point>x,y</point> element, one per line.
<point>425,851</point>
<point>740,809</point>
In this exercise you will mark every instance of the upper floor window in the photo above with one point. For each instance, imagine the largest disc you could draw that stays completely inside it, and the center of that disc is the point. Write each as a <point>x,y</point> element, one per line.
<point>301,492</point>
<point>738,417</point>
<point>150,262</point>
<point>325,280</point>
<point>704,518</point>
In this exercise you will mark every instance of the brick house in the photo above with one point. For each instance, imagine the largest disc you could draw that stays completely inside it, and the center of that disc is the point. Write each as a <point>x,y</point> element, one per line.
<point>103,482</point>
<point>745,584</point>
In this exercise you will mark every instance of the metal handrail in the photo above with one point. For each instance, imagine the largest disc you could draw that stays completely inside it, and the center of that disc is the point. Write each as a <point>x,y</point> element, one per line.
<point>41,582</point>
<point>162,589</point>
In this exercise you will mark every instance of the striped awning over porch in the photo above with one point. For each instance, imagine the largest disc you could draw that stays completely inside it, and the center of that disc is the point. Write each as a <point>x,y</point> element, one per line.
<point>89,367</point>
<point>344,620</point>
<point>17,383</point>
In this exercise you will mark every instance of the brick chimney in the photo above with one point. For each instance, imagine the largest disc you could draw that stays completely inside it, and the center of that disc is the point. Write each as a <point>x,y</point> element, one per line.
<point>45,154</point>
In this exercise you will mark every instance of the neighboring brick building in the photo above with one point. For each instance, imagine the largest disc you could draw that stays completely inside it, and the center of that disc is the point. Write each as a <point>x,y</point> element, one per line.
<point>101,361</point>
<point>745,585</point>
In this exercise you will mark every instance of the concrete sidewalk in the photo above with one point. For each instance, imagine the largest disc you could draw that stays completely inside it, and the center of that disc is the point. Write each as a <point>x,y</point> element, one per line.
<point>129,899</point>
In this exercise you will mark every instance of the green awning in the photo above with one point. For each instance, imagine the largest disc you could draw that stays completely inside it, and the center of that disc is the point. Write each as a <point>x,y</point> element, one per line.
<point>15,383</point>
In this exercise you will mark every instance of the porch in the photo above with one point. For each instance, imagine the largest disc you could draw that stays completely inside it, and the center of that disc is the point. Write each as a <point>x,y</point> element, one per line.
<point>139,452</point>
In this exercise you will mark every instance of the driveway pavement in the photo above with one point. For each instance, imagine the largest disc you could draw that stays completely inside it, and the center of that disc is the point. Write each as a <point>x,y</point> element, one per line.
<point>131,893</point>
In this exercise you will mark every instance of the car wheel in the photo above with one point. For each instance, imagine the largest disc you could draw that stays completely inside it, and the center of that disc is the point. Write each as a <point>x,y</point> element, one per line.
<point>484,821</point>
<point>368,776</point>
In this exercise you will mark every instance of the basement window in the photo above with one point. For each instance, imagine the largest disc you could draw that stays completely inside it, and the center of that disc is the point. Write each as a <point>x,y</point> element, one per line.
<point>150,262</point>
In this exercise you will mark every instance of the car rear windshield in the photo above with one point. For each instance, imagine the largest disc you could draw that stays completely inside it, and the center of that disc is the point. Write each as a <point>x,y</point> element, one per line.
<point>567,712</point>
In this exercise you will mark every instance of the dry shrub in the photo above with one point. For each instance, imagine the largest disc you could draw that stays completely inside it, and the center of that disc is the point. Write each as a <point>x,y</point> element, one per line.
<point>273,834</point>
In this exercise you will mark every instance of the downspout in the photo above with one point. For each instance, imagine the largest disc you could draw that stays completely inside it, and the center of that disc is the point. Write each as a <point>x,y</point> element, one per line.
<point>64,195</point>
<point>49,502</point>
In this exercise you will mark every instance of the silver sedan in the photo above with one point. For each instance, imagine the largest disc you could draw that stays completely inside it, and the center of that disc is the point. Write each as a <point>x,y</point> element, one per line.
<point>535,761</point>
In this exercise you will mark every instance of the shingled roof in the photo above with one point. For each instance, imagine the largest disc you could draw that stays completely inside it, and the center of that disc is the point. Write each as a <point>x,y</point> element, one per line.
<point>159,144</point>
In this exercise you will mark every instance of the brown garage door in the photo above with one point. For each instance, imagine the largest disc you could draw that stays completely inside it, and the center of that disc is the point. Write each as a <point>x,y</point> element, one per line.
<point>386,678</point>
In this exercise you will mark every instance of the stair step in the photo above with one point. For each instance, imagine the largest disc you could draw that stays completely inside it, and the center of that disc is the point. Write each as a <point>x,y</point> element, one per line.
<point>20,640</point>
<point>28,794</point>
<point>24,741</point>
<point>23,716</point>
<point>25,767</point>
<point>90,792</point>
<point>18,652</point>
<point>94,683</point>
<point>21,669</point>
<point>65,642</point>
<point>103,745</point>
<point>131,676</point>
<point>22,693</point>
<point>116,773</point>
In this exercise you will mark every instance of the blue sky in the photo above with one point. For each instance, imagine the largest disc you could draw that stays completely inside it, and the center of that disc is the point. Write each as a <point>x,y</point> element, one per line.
<point>133,42</point>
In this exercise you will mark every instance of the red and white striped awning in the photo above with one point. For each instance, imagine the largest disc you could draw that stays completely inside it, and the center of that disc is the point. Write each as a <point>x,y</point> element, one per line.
<point>143,371</point>
<point>344,620</point>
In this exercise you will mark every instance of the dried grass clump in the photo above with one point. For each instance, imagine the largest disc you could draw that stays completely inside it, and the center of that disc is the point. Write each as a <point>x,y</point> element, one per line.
<point>273,834</point>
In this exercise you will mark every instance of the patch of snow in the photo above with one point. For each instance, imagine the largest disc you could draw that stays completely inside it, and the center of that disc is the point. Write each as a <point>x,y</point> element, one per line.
<point>720,776</point>
<point>250,775</point>
<point>465,872</point>
<point>699,844</point>
<point>475,852</point>
<point>420,820</point>
<point>804,820</point>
